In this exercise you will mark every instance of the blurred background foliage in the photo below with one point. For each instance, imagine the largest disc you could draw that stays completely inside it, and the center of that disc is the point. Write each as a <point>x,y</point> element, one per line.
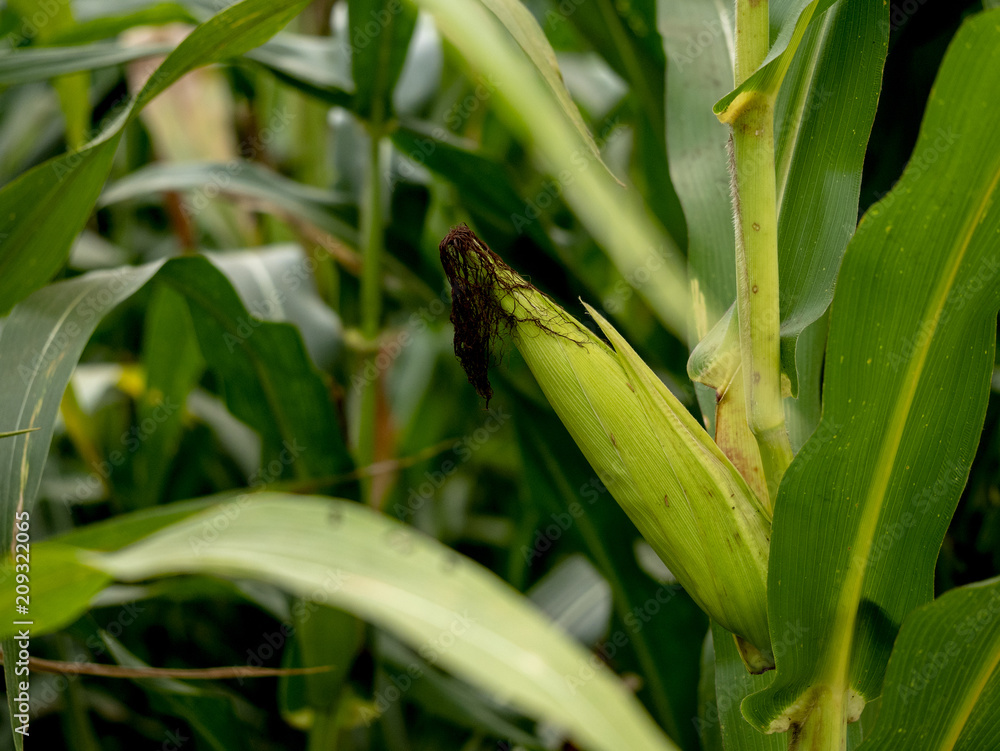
<point>263,164</point>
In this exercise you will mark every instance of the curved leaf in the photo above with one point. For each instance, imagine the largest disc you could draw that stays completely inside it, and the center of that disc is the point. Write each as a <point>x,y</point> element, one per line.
<point>664,654</point>
<point>823,118</point>
<point>32,247</point>
<point>698,37</point>
<point>42,340</point>
<point>285,400</point>
<point>789,21</point>
<point>517,19</point>
<point>43,63</point>
<point>104,26</point>
<point>456,613</point>
<point>942,686</point>
<point>62,317</point>
<point>863,509</point>
<point>240,178</point>
<point>319,64</point>
<point>645,255</point>
<point>732,684</point>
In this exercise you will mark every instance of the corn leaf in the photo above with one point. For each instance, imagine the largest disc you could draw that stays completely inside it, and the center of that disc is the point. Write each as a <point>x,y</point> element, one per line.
<point>63,316</point>
<point>457,614</point>
<point>240,179</point>
<point>823,118</point>
<point>565,488</point>
<point>698,38</point>
<point>380,32</point>
<point>43,63</point>
<point>618,220</point>
<point>942,686</point>
<point>789,21</point>
<point>863,509</point>
<point>32,246</point>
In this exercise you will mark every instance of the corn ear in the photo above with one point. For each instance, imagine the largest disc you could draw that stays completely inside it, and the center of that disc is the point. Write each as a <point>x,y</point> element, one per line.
<point>686,498</point>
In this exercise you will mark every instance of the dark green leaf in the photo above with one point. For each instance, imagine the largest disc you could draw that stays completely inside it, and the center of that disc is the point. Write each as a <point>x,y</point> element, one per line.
<point>863,509</point>
<point>32,246</point>
<point>942,686</point>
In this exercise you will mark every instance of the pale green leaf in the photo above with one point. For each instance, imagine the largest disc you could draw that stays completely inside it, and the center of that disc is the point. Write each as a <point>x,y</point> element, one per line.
<point>789,21</point>
<point>517,19</point>
<point>823,117</point>
<point>32,246</point>
<point>698,38</point>
<point>641,250</point>
<point>43,339</point>
<point>240,179</point>
<point>457,614</point>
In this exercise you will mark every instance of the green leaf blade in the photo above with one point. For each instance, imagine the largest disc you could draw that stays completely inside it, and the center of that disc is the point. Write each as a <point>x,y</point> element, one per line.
<point>697,75</point>
<point>377,58</point>
<point>299,430</point>
<point>457,614</point>
<point>823,118</point>
<point>62,317</point>
<point>943,682</point>
<point>621,223</point>
<point>864,507</point>
<point>33,246</point>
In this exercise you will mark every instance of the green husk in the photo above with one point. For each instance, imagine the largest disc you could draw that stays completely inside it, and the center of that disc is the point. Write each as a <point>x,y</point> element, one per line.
<point>686,498</point>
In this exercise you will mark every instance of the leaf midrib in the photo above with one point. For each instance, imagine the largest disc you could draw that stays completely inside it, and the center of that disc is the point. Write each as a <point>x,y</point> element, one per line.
<point>839,653</point>
<point>973,693</point>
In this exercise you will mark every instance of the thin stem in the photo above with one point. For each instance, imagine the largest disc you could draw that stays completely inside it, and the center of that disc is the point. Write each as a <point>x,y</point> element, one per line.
<point>752,25</point>
<point>371,295</point>
<point>755,208</point>
<point>371,278</point>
